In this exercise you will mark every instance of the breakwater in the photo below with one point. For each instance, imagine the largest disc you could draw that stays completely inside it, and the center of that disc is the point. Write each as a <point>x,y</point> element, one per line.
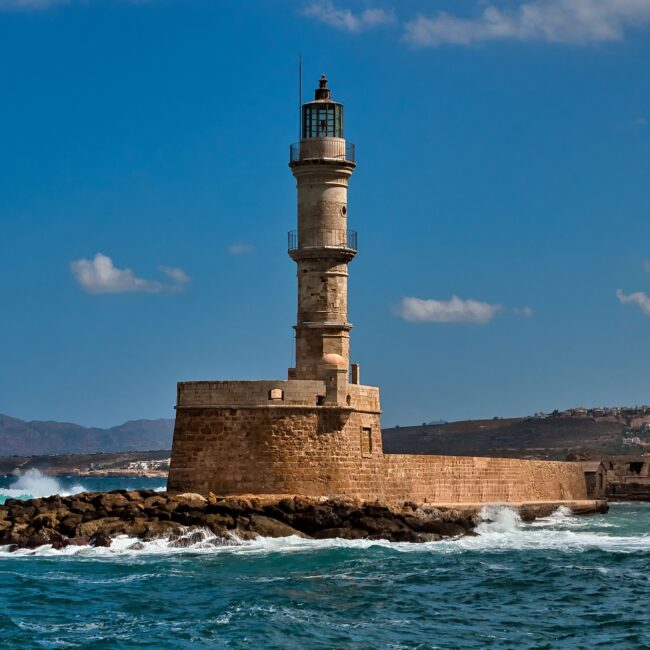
<point>97,518</point>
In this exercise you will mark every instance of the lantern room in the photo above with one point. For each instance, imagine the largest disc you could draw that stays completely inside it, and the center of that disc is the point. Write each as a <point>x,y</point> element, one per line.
<point>322,117</point>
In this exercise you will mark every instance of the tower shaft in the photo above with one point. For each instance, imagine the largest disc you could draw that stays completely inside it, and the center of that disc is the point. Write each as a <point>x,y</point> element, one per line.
<point>322,247</point>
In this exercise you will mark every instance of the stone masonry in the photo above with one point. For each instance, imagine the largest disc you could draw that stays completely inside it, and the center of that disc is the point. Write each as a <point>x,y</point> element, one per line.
<point>318,433</point>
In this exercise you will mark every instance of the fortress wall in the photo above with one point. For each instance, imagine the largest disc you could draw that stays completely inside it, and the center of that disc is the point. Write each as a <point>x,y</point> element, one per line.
<point>317,452</point>
<point>230,438</point>
<point>314,451</point>
<point>459,479</point>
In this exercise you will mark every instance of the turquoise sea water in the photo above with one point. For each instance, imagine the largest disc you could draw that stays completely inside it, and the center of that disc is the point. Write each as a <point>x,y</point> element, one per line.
<point>561,582</point>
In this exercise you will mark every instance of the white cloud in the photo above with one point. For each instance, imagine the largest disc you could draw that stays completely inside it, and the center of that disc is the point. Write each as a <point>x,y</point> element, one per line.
<point>454,310</point>
<point>346,19</point>
<point>178,276</point>
<point>99,275</point>
<point>241,249</point>
<point>553,21</point>
<point>640,298</point>
<point>523,311</point>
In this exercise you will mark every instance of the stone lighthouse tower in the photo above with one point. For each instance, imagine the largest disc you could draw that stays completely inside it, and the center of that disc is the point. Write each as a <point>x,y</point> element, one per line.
<point>322,247</point>
<point>317,432</point>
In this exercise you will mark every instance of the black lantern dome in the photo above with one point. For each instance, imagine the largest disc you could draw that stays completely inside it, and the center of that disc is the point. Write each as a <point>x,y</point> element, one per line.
<point>322,117</point>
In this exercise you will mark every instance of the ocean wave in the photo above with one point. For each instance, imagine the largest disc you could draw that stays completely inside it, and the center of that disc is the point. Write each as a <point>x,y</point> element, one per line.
<point>34,484</point>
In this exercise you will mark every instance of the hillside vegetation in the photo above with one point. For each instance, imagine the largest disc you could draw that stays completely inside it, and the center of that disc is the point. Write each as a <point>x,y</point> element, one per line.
<point>544,438</point>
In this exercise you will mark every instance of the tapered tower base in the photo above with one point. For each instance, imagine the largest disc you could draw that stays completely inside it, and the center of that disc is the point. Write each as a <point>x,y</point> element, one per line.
<point>273,437</point>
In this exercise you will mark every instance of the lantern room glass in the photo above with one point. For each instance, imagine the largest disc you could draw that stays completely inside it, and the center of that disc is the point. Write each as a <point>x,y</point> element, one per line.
<point>322,119</point>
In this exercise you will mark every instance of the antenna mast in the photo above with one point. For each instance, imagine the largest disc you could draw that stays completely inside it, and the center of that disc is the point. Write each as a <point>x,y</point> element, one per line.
<point>300,97</point>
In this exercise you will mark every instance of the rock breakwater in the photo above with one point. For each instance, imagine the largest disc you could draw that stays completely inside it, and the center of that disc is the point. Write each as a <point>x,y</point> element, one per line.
<point>95,518</point>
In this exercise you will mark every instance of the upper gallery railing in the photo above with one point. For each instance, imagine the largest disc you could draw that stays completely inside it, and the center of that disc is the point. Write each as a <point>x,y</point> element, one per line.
<point>322,238</point>
<point>322,148</point>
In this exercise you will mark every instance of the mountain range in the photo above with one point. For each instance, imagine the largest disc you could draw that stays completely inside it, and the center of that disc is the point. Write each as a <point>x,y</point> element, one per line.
<point>35,438</point>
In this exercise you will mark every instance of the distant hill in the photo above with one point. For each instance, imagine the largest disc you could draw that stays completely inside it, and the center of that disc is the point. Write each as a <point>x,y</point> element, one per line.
<point>550,438</point>
<point>35,438</point>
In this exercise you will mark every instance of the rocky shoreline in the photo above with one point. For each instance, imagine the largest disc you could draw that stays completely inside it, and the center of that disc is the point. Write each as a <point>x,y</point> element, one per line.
<point>95,518</point>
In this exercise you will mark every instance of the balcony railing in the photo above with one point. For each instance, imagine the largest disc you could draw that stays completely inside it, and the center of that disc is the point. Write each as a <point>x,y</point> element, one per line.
<point>323,238</point>
<point>322,149</point>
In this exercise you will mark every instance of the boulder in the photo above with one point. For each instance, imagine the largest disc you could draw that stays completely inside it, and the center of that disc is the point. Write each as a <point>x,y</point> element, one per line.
<point>342,533</point>
<point>89,528</point>
<point>80,505</point>
<point>46,520</point>
<point>190,499</point>
<point>68,525</point>
<point>134,496</point>
<point>111,501</point>
<point>156,529</point>
<point>218,523</point>
<point>154,502</point>
<point>267,527</point>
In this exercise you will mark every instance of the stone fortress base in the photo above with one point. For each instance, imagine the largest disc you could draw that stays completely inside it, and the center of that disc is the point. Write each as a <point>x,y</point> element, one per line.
<point>278,437</point>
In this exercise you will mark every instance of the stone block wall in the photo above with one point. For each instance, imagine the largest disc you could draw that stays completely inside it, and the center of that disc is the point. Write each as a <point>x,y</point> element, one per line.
<point>231,438</point>
<point>460,479</point>
<point>312,451</point>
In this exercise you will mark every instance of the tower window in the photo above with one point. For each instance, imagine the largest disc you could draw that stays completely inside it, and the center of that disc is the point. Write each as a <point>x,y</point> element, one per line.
<point>366,441</point>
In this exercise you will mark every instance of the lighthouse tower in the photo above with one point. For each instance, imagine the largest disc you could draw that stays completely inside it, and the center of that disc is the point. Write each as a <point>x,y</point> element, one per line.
<point>322,247</point>
<point>317,432</point>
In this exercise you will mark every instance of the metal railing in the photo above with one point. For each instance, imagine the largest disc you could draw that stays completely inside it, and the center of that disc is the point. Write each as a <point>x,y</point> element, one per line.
<point>322,148</point>
<point>322,238</point>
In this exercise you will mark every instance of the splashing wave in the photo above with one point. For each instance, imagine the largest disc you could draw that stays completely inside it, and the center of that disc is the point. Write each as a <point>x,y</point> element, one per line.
<point>33,484</point>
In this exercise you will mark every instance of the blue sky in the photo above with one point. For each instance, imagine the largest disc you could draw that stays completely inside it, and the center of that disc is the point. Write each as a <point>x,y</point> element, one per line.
<point>502,199</point>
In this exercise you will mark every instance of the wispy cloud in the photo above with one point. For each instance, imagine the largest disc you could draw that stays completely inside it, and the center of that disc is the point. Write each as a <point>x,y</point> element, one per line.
<point>638,297</point>
<point>552,21</point>
<point>346,19</point>
<point>527,312</point>
<point>241,249</point>
<point>455,310</point>
<point>100,275</point>
<point>35,5</point>
<point>29,5</point>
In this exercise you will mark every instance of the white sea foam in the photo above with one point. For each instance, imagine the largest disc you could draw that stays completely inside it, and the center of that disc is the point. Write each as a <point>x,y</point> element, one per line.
<point>500,529</point>
<point>34,484</point>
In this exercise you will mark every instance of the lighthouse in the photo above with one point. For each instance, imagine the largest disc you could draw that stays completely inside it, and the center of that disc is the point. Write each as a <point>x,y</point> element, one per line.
<point>322,247</point>
<point>318,432</point>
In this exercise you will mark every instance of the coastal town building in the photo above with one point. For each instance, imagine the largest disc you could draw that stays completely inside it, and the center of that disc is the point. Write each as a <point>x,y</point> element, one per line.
<point>317,432</point>
<point>628,477</point>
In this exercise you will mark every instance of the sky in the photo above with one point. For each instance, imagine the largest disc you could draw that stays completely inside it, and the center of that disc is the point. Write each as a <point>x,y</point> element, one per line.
<point>502,200</point>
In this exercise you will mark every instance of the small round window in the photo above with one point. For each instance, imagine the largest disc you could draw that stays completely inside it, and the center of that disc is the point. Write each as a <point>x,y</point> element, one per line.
<point>344,210</point>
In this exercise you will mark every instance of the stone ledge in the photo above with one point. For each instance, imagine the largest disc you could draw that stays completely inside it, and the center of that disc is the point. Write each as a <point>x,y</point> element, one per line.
<point>292,407</point>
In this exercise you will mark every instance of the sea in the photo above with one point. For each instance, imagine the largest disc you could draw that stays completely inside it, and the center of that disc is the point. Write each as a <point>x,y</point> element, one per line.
<point>560,582</point>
